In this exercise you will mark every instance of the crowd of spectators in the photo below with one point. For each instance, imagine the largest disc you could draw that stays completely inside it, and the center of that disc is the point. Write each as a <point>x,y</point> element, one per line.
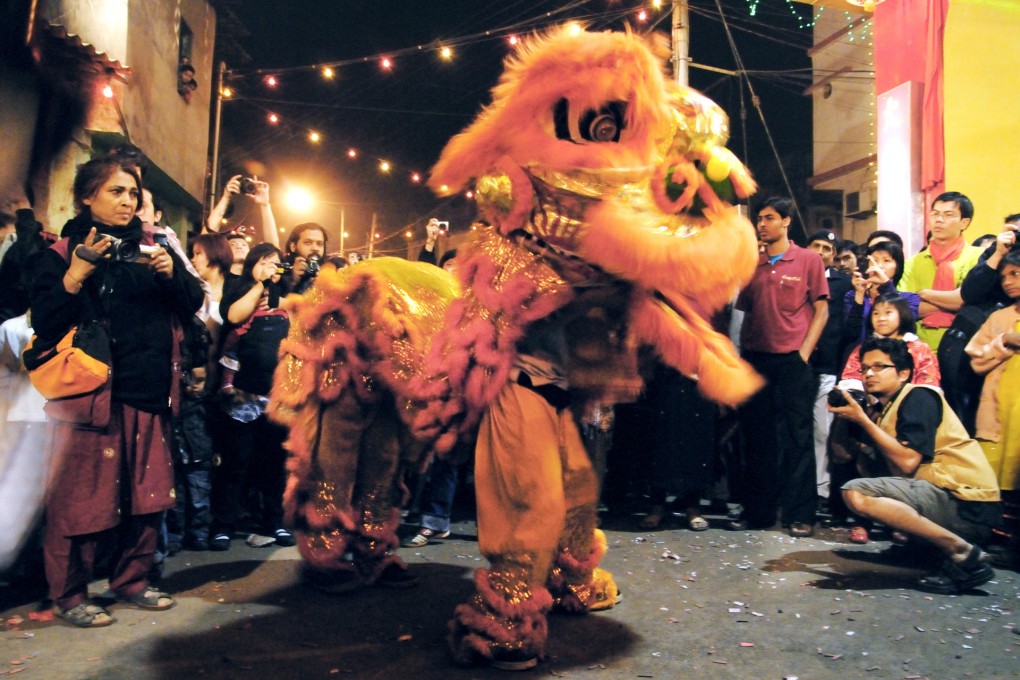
<point>844,334</point>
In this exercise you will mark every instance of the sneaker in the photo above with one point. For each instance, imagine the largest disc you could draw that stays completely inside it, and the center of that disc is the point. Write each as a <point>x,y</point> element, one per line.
<point>955,578</point>
<point>259,541</point>
<point>513,661</point>
<point>284,538</point>
<point>424,537</point>
<point>196,544</point>
<point>394,576</point>
<point>220,542</point>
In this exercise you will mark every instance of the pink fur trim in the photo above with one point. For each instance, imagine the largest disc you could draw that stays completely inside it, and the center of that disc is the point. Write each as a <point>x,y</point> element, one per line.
<point>478,633</point>
<point>586,68</point>
<point>690,346</point>
<point>472,355</point>
<point>709,265</point>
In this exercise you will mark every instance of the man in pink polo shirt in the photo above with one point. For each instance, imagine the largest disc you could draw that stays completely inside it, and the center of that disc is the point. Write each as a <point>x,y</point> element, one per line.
<point>785,309</point>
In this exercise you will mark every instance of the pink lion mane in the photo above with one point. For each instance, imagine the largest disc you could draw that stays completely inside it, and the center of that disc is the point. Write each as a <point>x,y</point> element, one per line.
<point>586,69</point>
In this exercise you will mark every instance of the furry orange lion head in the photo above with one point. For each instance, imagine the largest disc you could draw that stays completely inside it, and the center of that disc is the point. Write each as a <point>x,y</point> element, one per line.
<point>588,146</point>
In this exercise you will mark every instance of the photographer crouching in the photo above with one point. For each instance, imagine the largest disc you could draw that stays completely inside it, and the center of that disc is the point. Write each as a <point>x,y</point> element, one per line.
<point>112,475</point>
<point>940,487</point>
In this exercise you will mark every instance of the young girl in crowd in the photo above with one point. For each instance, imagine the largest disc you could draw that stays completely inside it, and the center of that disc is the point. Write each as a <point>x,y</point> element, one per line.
<point>993,351</point>
<point>885,268</point>
<point>891,317</point>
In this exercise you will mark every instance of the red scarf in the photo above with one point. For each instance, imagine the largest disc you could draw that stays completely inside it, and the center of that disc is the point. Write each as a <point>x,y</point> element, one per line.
<point>945,278</point>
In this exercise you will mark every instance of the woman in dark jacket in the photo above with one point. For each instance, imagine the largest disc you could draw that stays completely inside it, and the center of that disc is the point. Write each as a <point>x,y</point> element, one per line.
<point>113,477</point>
<point>253,453</point>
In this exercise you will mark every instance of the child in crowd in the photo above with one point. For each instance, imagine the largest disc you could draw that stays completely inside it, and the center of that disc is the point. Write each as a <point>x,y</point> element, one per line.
<point>993,352</point>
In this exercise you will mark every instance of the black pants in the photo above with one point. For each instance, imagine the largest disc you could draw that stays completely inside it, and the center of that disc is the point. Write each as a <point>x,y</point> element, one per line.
<point>778,432</point>
<point>253,458</point>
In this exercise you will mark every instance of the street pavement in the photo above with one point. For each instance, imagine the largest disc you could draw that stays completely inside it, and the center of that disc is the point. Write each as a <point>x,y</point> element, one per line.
<point>714,604</point>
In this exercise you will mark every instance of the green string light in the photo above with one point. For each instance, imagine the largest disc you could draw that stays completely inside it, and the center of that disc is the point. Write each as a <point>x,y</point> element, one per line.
<point>802,21</point>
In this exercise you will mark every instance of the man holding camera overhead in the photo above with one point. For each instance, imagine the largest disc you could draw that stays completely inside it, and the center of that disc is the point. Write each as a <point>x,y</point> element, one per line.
<point>256,191</point>
<point>940,488</point>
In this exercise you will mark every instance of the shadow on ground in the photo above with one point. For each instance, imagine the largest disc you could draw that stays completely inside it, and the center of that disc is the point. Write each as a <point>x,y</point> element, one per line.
<point>296,632</point>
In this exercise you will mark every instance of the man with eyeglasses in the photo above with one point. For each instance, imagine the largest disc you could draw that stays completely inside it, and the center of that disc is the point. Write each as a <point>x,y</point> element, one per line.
<point>935,274</point>
<point>940,488</point>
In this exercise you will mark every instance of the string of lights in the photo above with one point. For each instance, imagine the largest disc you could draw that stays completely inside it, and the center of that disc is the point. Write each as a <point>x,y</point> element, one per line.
<point>288,119</point>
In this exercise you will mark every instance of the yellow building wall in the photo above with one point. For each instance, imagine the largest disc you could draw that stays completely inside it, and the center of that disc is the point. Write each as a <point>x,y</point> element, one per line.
<point>982,108</point>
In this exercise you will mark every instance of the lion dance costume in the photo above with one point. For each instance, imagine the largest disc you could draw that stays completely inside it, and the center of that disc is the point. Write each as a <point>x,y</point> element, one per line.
<point>604,194</point>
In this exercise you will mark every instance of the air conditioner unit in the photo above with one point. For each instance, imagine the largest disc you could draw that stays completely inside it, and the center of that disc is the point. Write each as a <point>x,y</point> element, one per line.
<point>858,205</point>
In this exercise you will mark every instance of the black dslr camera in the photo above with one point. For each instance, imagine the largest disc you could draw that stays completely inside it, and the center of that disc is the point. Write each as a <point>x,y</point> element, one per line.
<point>836,398</point>
<point>121,250</point>
<point>248,186</point>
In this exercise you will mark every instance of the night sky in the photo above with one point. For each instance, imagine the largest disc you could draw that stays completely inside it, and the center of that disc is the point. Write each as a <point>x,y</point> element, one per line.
<point>405,116</point>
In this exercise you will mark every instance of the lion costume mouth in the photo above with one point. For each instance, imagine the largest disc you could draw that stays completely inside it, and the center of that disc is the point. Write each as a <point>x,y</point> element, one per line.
<point>589,149</point>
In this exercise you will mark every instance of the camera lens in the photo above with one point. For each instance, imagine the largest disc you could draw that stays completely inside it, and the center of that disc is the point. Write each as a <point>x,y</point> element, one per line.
<point>314,262</point>
<point>123,251</point>
<point>248,186</point>
<point>836,398</point>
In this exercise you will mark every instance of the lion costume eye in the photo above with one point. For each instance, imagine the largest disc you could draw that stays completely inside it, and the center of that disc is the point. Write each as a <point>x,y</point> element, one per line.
<point>602,125</point>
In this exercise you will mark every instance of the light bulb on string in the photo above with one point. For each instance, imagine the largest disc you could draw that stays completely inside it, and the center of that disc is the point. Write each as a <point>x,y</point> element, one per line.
<point>352,153</point>
<point>469,194</point>
<point>271,81</point>
<point>415,177</point>
<point>445,53</point>
<point>273,118</point>
<point>657,4</point>
<point>328,73</point>
<point>314,137</point>
<point>513,40</point>
<point>384,166</point>
<point>642,16</point>
<point>386,64</point>
<point>408,234</point>
<point>227,93</point>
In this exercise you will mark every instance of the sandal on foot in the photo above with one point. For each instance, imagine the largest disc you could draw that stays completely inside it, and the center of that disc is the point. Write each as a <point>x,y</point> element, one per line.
<point>653,518</point>
<point>697,523</point>
<point>858,534</point>
<point>955,578</point>
<point>84,615</point>
<point>149,598</point>
<point>424,537</point>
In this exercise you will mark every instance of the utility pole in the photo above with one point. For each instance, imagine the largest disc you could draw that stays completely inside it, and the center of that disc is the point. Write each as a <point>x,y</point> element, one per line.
<point>343,228</point>
<point>214,177</point>
<point>681,41</point>
<point>371,237</point>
